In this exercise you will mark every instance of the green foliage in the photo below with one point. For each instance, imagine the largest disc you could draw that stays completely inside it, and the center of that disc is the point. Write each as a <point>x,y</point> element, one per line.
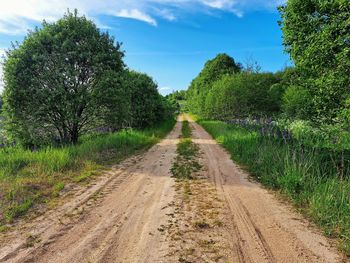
<point>213,70</point>
<point>177,95</point>
<point>241,95</point>
<point>316,34</point>
<point>67,79</point>
<point>147,106</point>
<point>114,101</point>
<point>186,131</point>
<point>52,80</point>
<point>177,100</point>
<point>289,76</point>
<point>28,178</point>
<point>296,102</point>
<point>308,175</point>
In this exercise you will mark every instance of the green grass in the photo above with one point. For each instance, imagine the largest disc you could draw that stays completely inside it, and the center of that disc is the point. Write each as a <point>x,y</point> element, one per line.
<point>186,131</point>
<point>28,178</point>
<point>307,176</point>
<point>185,163</point>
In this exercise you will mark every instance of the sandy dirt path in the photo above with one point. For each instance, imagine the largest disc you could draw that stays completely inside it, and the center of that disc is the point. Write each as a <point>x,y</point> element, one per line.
<point>116,220</point>
<point>262,228</point>
<point>120,218</point>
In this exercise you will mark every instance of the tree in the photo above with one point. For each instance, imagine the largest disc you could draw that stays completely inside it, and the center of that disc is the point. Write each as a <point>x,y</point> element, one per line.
<point>53,80</point>
<point>176,99</point>
<point>241,95</point>
<point>317,36</point>
<point>114,99</point>
<point>213,70</point>
<point>146,102</point>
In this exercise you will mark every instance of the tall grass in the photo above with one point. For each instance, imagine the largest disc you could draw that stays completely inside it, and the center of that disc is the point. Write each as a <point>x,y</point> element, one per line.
<point>31,177</point>
<point>306,175</point>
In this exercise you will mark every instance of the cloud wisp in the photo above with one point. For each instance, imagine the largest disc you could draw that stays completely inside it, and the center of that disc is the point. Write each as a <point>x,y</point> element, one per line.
<point>138,15</point>
<point>16,16</point>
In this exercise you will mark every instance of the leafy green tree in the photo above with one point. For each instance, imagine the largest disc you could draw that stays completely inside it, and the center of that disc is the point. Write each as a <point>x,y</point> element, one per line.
<point>241,95</point>
<point>213,70</point>
<point>53,80</point>
<point>147,104</point>
<point>317,36</point>
<point>176,99</point>
<point>114,100</point>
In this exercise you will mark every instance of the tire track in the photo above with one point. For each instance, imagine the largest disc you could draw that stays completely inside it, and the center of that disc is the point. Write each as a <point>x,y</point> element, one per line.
<point>111,221</point>
<point>262,228</point>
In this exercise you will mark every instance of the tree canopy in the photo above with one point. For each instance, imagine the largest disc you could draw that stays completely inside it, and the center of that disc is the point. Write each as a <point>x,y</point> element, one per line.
<point>213,70</point>
<point>52,79</point>
<point>148,106</point>
<point>68,78</point>
<point>241,95</point>
<point>317,36</point>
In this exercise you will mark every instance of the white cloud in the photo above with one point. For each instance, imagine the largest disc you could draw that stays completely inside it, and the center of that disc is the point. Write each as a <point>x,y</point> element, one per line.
<point>164,88</point>
<point>138,15</point>
<point>166,14</point>
<point>219,4</point>
<point>17,16</point>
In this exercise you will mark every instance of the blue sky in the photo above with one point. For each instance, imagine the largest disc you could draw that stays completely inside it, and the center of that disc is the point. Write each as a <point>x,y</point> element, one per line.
<point>168,39</point>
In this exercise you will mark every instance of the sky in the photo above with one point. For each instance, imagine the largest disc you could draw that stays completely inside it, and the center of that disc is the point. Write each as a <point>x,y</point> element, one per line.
<point>170,40</point>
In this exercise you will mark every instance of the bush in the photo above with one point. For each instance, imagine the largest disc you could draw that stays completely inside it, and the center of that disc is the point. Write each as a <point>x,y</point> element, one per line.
<point>296,102</point>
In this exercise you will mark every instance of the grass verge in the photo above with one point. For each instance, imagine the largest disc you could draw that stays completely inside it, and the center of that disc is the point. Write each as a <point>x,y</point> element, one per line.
<point>305,176</point>
<point>29,178</point>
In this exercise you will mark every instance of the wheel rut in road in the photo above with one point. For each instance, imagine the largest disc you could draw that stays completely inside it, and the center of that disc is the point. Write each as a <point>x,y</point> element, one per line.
<point>127,215</point>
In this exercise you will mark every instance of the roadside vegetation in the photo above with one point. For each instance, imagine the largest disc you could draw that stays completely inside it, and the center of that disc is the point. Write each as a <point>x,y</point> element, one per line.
<point>290,129</point>
<point>70,106</point>
<point>306,175</point>
<point>32,178</point>
<point>68,79</point>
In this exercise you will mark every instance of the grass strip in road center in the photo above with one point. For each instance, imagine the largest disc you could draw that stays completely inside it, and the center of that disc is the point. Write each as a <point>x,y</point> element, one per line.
<point>185,163</point>
<point>196,228</point>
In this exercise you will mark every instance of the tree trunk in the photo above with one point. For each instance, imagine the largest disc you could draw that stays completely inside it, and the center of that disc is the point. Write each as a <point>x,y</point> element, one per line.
<point>74,135</point>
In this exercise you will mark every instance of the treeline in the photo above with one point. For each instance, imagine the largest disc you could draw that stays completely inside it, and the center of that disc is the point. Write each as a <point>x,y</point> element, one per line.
<point>68,78</point>
<point>316,35</point>
<point>177,100</point>
<point>226,90</point>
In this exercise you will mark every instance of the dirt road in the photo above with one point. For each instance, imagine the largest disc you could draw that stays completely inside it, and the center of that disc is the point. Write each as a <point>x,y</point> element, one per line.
<point>122,216</point>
